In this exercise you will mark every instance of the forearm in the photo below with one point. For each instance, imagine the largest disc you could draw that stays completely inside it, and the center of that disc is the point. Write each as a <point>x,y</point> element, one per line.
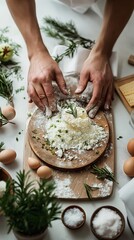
<point>24,14</point>
<point>116,16</point>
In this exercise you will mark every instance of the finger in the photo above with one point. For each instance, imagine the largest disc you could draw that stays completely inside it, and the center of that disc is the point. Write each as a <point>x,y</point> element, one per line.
<point>109,97</point>
<point>84,78</point>
<point>34,97</point>
<point>61,83</point>
<point>49,91</point>
<point>96,96</point>
<point>94,110</point>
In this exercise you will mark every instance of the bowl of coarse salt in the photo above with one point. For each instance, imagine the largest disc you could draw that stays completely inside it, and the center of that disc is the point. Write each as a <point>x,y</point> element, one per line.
<point>107,222</point>
<point>73,217</point>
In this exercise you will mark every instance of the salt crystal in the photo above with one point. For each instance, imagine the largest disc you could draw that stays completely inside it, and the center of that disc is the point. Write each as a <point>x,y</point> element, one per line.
<point>107,223</point>
<point>73,217</point>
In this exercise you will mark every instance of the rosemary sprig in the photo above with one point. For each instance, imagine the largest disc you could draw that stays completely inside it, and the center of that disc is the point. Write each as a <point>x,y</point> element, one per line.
<point>103,173</point>
<point>1,146</point>
<point>67,35</point>
<point>4,120</point>
<point>89,189</point>
<point>6,86</point>
<point>72,110</point>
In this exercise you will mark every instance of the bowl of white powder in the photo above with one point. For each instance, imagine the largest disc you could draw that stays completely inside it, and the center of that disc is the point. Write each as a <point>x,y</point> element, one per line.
<point>73,217</point>
<point>107,222</point>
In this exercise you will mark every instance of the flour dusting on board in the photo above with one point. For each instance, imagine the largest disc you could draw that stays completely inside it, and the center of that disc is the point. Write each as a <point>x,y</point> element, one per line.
<point>63,188</point>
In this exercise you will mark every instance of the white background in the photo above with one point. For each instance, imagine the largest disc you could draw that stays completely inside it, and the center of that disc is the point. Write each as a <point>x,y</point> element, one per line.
<point>88,26</point>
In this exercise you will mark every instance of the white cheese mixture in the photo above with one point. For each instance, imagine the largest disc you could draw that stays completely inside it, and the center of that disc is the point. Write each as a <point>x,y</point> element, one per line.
<point>73,130</point>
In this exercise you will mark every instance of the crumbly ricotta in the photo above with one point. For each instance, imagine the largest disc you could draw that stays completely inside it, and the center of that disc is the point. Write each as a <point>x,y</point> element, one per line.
<point>77,131</point>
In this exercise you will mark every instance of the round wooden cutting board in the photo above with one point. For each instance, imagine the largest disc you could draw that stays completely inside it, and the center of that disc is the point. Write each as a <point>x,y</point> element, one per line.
<point>36,133</point>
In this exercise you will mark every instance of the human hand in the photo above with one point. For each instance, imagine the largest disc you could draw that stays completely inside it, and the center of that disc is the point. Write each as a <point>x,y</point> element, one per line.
<point>43,70</point>
<point>97,69</point>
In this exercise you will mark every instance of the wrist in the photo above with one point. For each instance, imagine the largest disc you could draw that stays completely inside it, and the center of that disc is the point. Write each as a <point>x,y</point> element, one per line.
<point>102,49</point>
<point>35,49</point>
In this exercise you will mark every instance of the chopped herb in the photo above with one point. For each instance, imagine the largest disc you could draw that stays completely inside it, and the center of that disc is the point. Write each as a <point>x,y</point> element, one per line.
<point>72,110</point>
<point>29,114</point>
<point>20,89</point>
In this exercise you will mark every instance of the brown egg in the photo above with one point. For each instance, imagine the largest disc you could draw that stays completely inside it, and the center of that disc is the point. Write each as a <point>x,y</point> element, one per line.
<point>44,172</point>
<point>7,156</point>
<point>9,112</point>
<point>130,146</point>
<point>128,167</point>
<point>33,163</point>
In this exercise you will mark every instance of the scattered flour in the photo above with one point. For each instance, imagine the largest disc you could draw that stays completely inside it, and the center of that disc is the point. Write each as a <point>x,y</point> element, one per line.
<point>63,188</point>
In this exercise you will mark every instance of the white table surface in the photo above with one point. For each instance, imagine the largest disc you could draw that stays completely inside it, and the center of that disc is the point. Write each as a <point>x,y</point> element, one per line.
<point>88,26</point>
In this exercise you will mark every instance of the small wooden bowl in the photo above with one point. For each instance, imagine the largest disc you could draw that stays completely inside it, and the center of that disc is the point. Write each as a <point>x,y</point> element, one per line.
<point>122,220</point>
<point>80,224</point>
<point>4,176</point>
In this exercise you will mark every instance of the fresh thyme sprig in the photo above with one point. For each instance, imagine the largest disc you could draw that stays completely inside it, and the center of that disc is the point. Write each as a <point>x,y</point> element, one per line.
<point>103,173</point>
<point>4,120</point>
<point>67,35</point>
<point>89,190</point>
<point>72,110</point>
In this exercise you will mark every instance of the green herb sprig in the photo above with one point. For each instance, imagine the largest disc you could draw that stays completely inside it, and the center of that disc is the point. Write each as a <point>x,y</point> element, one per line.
<point>72,110</point>
<point>10,69</point>
<point>89,190</point>
<point>102,173</point>
<point>67,35</point>
<point>6,87</point>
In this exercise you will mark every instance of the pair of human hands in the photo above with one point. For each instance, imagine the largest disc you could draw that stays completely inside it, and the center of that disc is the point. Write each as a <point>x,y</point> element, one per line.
<point>43,70</point>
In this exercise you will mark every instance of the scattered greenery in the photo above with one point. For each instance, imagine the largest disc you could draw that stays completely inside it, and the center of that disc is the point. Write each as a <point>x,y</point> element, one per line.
<point>72,110</point>
<point>10,69</point>
<point>29,210</point>
<point>102,173</point>
<point>89,190</point>
<point>6,86</point>
<point>66,34</point>
<point>4,38</point>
